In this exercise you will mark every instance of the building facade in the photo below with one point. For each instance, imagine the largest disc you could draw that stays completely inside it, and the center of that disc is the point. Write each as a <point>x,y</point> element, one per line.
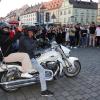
<point>31,16</point>
<point>71,11</point>
<point>74,11</point>
<point>15,14</point>
<point>98,17</point>
<point>58,11</point>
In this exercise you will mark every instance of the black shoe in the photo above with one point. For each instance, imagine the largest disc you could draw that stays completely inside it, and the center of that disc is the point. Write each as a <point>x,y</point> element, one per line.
<point>46,93</point>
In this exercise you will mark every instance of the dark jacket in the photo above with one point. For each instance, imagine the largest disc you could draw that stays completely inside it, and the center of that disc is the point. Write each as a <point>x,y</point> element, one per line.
<point>92,30</point>
<point>59,38</point>
<point>6,42</point>
<point>27,45</point>
<point>77,32</point>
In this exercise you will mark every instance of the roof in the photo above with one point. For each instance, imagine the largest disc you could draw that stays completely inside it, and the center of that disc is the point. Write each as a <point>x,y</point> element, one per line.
<point>31,9</point>
<point>83,4</point>
<point>54,4</point>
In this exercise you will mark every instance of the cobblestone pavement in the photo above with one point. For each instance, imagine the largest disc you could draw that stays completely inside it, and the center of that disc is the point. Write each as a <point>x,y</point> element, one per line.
<point>86,86</point>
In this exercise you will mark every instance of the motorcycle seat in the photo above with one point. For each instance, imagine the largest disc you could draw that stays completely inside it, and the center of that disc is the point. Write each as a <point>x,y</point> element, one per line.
<point>12,63</point>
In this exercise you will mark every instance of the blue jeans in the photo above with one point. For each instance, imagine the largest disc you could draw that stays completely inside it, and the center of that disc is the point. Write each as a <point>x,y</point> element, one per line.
<point>72,40</point>
<point>83,41</point>
<point>41,71</point>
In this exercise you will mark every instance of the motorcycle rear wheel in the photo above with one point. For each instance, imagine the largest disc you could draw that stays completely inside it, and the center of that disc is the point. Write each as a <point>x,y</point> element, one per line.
<point>72,71</point>
<point>6,78</point>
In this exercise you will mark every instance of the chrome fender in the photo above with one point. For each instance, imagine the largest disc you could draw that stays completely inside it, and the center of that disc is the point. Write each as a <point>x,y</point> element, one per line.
<point>72,59</point>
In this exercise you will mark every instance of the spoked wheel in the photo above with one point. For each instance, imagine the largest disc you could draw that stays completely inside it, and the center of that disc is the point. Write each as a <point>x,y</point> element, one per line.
<point>72,71</point>
<point>6,78</point>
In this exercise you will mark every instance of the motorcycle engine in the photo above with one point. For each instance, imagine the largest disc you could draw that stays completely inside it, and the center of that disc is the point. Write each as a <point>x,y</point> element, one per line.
<point>51,65</point>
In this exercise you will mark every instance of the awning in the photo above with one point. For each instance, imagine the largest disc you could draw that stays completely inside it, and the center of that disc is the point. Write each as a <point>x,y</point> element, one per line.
<point>2,24</point>
<point>13,22</point>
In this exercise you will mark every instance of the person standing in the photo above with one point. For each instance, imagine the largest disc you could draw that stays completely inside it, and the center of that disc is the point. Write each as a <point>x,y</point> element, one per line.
<point>72,35</point>
<point>92,30</point>
<point>98,36</point>
<point>67,35</point>
<point>77,34</point>
<point>83,39</point>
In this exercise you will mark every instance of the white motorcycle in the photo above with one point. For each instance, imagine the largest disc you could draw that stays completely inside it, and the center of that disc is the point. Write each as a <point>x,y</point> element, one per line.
<point>56,61</point>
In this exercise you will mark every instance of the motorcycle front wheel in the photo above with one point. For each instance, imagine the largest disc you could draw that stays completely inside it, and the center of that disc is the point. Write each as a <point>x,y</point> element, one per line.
<point>6,78</point>
<point>72,71</point>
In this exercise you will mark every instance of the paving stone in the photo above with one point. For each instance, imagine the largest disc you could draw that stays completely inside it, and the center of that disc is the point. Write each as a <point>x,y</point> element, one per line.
<point>61,98</point>
<point>86,96</point>
<point>65,93</point>
<point>10,97</point>
<point>51,98</point>
<point>41,98</point>
<point>98,97</point>
<point>3,97</point>
<point>94,94</point>
<point>32,98</point>
<point>78,97</point>
<point>73,93</point>
<point>87,90</point>
<point>20,96</point>
<point>94,89</point>
<point>92,98</point>
<point>70,98</point>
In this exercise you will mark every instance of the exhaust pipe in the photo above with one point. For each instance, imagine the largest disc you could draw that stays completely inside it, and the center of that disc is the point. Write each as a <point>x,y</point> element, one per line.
<point>25,82</point>
<point>19,83</point>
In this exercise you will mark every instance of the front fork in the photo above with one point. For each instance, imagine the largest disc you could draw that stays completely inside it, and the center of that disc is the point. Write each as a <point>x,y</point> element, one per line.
<point>64,63</point>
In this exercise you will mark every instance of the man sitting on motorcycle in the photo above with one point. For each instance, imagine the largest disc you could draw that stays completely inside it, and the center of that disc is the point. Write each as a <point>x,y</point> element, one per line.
<point>6,47</point>
<point>27,44</point>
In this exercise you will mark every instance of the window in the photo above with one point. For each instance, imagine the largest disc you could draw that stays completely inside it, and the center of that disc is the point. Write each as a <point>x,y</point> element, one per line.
<point>75,11</point>
<point>75,19</point>
<point>81,19</point>
<point>82,13</point>
<point>61,13</point>
<point>47,17</point>
<point>64,12</point>
<point>64,20</point>
<point>99,12</point>
<point>69,11</point>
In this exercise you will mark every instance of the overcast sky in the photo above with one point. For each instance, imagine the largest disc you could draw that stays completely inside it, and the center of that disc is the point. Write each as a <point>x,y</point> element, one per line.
<point>7,5</point>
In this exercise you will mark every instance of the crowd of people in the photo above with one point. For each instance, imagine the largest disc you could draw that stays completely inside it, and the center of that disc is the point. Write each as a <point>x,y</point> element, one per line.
<point>75,35</point>
<point>70,35</point>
